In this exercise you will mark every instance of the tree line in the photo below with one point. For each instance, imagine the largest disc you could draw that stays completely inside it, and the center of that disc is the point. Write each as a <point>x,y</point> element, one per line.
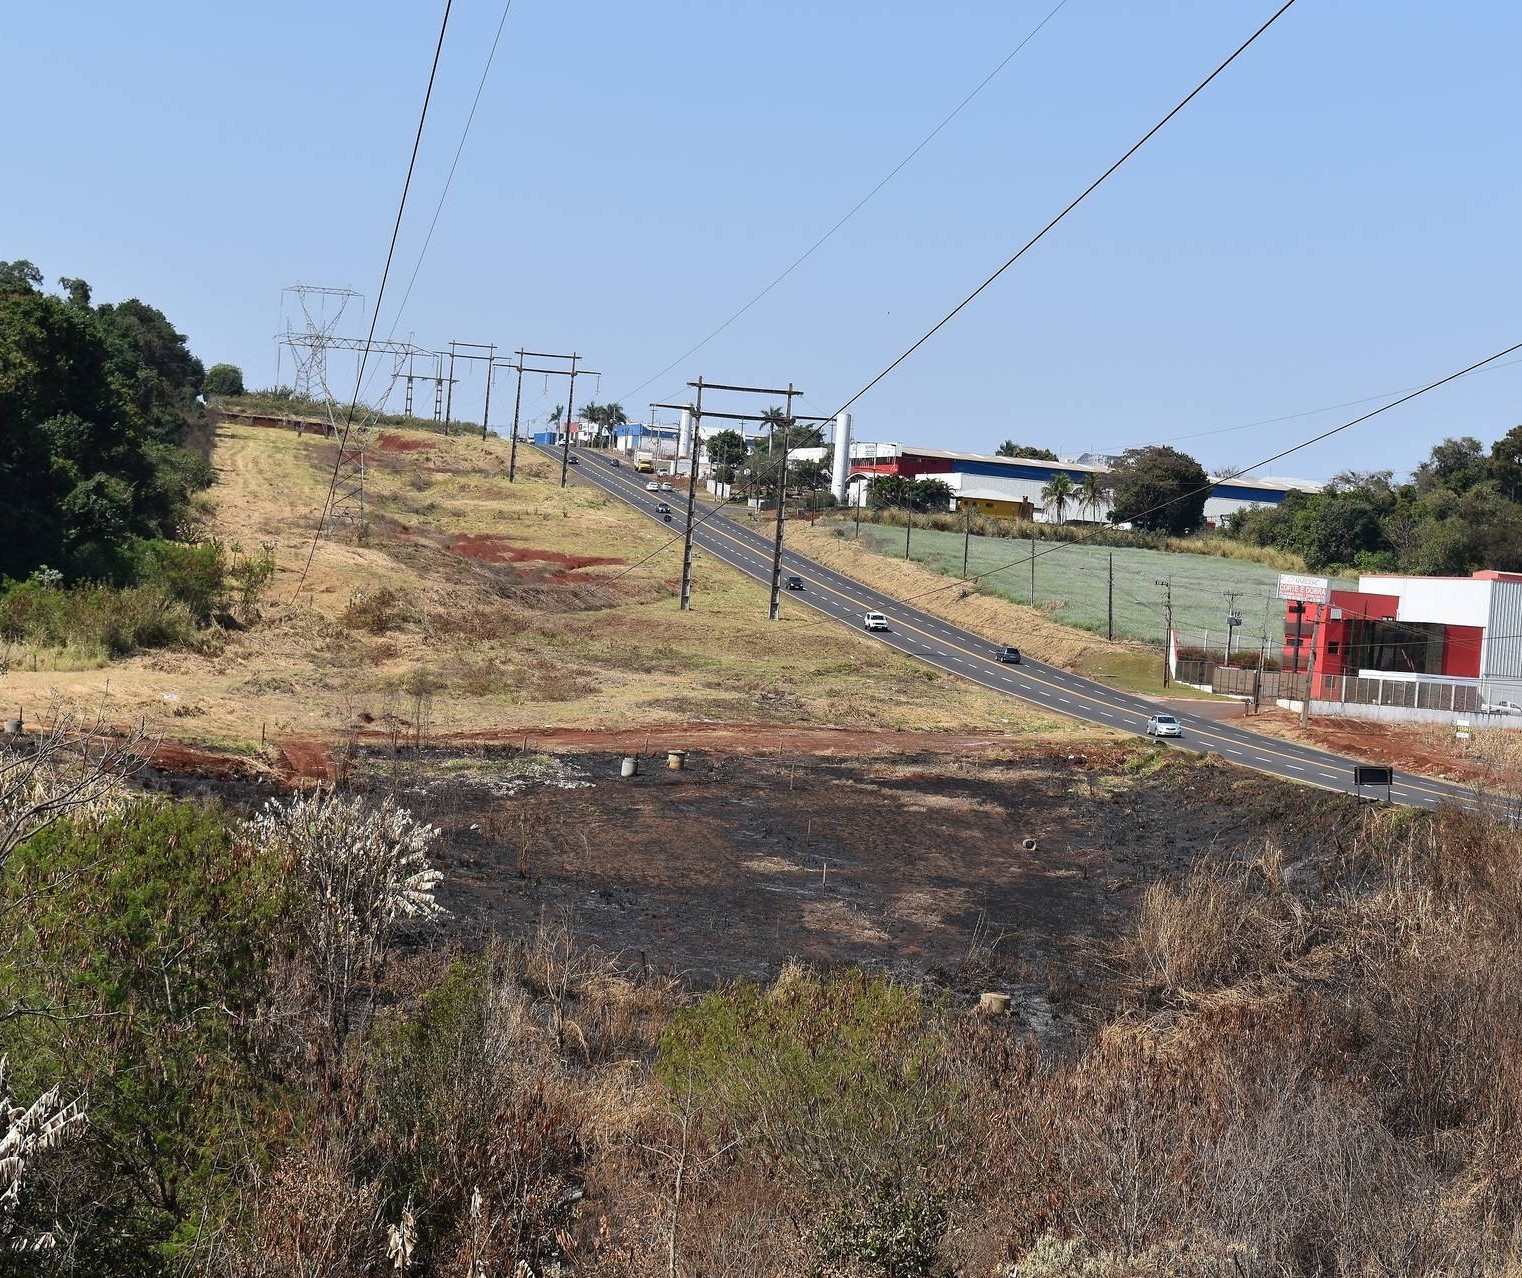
<point>103,438</point>
<point>1461,510</point>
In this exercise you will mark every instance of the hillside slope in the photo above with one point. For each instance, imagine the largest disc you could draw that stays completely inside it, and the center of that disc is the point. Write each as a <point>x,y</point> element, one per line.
<point>476,606</point>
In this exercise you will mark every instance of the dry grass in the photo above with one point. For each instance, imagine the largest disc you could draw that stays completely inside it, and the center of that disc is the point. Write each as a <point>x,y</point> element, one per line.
<point>538,642</point>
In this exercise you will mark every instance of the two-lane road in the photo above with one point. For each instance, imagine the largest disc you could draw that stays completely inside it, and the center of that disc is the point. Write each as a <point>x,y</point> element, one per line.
<point>950,648</point>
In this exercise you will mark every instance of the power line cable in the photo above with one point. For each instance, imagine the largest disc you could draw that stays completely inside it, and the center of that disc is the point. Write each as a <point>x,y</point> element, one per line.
<point>1309,412</point>
<point>858,206</point>
<point>396,228</point>
<point>448,181</point>
<point>1267,461</point>
<point>1087,191</point>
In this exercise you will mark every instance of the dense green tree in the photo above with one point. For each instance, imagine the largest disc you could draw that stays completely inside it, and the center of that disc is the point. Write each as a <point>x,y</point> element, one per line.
<point>1011,449</point>
<point>97,406</point>
<point>929,494</point>
<point>726,448</point>
<point>224,379</point>
<point>1458,464</point>
<point>1506,463</point>
<point>1159,489</point>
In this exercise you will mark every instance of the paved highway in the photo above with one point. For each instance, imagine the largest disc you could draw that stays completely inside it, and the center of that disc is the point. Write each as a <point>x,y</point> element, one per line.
<point>947,647</point>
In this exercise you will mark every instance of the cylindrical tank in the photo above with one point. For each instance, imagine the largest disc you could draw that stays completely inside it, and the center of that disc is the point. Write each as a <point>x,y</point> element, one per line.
<point>630,767</point>
<point>842,456</point>
<point>684,435</point>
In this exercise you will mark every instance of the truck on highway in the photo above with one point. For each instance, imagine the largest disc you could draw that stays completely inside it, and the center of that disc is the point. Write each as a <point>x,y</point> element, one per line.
<point>644,461</point>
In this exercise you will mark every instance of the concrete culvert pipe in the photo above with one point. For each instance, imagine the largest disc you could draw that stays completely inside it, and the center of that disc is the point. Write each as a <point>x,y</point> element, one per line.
<point>630,767</point>
<point>1029,845</point>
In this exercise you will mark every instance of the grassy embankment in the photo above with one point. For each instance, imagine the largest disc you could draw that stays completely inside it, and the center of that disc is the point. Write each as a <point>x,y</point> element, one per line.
<point>576,627</point>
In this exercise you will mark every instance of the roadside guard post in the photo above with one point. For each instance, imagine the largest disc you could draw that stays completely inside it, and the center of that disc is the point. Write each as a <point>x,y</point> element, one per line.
<point>1372,774</point>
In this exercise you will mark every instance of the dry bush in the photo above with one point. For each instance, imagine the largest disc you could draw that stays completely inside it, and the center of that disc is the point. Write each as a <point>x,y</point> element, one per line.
<point>1222,924</point>
<point>377,610</point>
<point>312,1215</point>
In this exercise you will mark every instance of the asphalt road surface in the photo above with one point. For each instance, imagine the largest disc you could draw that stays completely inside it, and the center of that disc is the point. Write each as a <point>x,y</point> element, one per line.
<point>947,647</point>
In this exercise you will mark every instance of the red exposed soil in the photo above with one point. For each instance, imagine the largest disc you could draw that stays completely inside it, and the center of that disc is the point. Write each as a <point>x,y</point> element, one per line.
<point>1384,743</point>
<point>389,443</point>
<point>493,549</point>
<point>188,760</point>
<point>306,760</point>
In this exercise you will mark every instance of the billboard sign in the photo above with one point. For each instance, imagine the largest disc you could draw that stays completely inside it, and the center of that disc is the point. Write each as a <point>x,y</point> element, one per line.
<point>1294,585</point>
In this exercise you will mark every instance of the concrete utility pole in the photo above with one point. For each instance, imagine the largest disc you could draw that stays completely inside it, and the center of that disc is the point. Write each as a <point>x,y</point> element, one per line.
<point>489,358</point>
<point>512,448</point>
<point>1110,602</point>
<point>1167,584</point>
<point>966,539</point>
<point>787,420</point>
<point>1232,619</point>
<point>691,423</point>
<point>572,372</point>
<point>1310,668</point>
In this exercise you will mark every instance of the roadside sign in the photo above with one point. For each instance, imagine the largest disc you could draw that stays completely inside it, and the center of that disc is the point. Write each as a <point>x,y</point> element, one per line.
<point>1373,774</point>
<point>1294,585</point>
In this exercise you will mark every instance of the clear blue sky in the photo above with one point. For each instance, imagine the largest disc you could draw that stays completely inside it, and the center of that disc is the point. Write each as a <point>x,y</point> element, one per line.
<point>1335,218</point>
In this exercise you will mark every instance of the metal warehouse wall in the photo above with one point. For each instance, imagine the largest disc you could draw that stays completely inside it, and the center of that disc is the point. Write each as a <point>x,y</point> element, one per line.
<point>1501,656</point>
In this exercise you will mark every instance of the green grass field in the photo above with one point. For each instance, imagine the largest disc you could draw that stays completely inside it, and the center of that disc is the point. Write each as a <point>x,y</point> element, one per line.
<point>1071,583</point>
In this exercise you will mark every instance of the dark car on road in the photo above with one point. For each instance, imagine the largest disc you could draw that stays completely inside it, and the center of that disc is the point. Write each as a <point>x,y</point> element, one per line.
<point>573,460</point>
<point>1008,653</point>
<point>613,461</point>
<point>795,583</point>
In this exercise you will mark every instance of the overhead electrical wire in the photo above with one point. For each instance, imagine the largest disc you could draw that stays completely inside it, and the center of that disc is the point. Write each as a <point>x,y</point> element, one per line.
<point>1041,234</point>
<point>1079,199</point>
<point>858,206</point>
<point>359,376</point>
<point>1309,412</point>
<point>1205,488</point>
<point>454,164</point>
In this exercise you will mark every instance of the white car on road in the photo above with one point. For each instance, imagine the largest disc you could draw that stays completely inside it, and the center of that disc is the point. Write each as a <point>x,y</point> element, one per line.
<point>874,621</point>
<point>1164,725</point>
<point>652,487</point>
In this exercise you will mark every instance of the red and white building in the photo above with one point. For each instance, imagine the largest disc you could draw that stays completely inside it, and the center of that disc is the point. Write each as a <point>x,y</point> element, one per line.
<point>1462,631</point>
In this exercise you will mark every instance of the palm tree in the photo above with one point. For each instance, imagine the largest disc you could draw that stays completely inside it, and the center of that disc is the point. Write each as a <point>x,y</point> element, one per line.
<point>1092,493</point>
<point>1059,492</point>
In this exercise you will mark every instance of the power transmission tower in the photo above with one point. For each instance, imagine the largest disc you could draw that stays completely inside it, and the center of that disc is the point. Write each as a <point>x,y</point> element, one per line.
<point>321,310</point>
<point>1167,584</point>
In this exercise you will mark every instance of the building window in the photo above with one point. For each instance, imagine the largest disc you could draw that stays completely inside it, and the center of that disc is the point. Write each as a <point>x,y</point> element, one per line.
<point>1332,647</point>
